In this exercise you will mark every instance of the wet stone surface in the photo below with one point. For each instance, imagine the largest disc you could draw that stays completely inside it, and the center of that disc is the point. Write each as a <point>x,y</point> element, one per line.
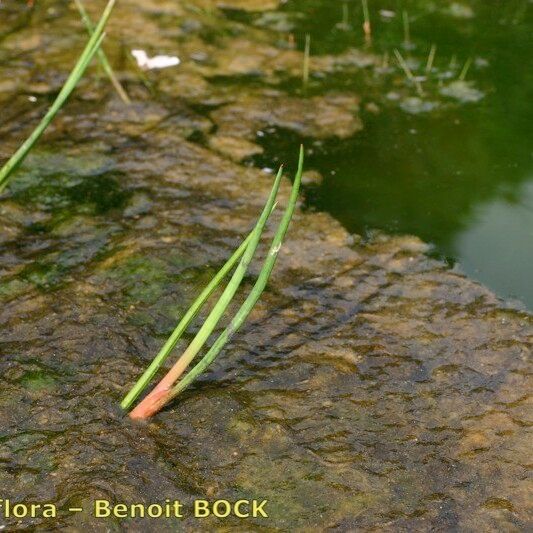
<point>373,388</point>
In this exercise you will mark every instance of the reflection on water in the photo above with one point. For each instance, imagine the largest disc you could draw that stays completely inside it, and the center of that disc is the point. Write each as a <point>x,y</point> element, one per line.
<point>452,172</point>
<point>511,265</point>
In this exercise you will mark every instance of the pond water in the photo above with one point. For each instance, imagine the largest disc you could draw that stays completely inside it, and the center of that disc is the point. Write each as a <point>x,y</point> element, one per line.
<point>374,387</point>
<point>456,173</point>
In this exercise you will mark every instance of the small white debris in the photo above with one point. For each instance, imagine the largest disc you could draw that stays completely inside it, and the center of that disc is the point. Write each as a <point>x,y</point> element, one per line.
<point>150,63</point>
<point>387,14</point>
<point>32,98</point>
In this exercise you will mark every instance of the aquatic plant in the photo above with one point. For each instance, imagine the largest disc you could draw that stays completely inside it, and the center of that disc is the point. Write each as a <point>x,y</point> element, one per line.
<point>344,24</point>
<point>305,67</point>
<point>102,57</point>
<point>405,67</point>
<point>167,388</point>
<point>464,70</point>
<point>367,29</point>
<point>431,58</point>
<point>406,30</point>
<point>77,72</point>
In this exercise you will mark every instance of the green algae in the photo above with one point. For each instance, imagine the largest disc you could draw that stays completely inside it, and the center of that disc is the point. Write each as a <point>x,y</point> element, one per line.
<point>38,381</point>
<point>142,279</point>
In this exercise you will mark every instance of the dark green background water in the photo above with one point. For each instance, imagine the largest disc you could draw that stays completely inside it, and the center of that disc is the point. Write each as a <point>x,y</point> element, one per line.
<point>459,176</point>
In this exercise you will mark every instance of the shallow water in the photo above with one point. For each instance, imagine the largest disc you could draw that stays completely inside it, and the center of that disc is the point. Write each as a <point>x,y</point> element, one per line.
<point>373,388</point>
<point>434,167</point>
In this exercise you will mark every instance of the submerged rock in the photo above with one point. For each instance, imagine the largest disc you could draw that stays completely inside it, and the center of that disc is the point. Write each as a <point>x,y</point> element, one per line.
<point>331,115</point>
<point>373,388</point>
<point>367,379</point>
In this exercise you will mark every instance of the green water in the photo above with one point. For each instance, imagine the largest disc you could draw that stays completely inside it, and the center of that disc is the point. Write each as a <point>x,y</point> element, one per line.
<point>459,176</point>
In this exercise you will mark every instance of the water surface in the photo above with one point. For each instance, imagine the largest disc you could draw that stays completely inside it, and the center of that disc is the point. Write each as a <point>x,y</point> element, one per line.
<point>457,174</point>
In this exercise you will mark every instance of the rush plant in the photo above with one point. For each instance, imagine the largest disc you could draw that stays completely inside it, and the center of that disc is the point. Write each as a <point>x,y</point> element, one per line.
<point>85,58</point>
<point>102,57</point>
<point>173,383</point>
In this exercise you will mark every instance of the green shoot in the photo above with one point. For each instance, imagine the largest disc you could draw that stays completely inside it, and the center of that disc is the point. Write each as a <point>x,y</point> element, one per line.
<point>406,30</point>
<point>307,52</point>
<point>405,67</point>
<point>453,62</point>
<point>345,16</point>
<point>367,29</point>
<point>431,58</point>
<point>73,79</point>
<point>246,308</point>
<point>102,56</point>
<point>166,389</point>
<point>191,313</point>
<point>216,313</point>
<point>465,68</point>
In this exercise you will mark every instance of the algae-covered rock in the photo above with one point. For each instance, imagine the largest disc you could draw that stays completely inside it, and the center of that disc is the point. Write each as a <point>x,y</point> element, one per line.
<point>235,148</point>
<point>373,388</point>
<point>333,115</point>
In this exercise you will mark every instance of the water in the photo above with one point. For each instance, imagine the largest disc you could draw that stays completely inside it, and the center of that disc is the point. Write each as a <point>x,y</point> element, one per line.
<point>458,176</point>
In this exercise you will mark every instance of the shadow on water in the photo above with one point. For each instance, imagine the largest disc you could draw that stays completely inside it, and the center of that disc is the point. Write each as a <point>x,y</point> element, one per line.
<point>457,176</point>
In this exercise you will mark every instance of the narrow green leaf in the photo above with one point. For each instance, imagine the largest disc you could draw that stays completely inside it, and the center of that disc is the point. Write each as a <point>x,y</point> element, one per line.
<point>221,305</point>
<point>191,313</point>
<point>90,49</point>
<point>102,57</point>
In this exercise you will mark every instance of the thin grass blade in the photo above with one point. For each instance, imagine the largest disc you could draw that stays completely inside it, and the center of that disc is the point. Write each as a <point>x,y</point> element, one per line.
<point>164,396</point>
<point>102,57</point>
<point>191,313</point>
<point>77,72</point>
<point>145,408</point>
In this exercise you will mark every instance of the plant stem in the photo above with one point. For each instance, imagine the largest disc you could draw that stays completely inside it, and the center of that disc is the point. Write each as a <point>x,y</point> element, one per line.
<point>102,56</point>
<point>216,313</point>
<point>367,29</point>
<point>161,396</point>
<point>345,15</point>
<point>191,313</point>
<point>408,72</point>
<point>406,30</point>
<point>307,52</point>
<point>431,58</point>
<point>73,79</point>
<point>465,68</point>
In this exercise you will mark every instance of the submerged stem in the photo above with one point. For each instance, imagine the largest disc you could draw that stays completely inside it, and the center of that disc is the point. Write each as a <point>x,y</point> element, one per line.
<point>367,29</point>
<point>102,55</point>
<point>307,54</point>
<point>405,67</point>
<point>464,70</point>
<point>431,58</point>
